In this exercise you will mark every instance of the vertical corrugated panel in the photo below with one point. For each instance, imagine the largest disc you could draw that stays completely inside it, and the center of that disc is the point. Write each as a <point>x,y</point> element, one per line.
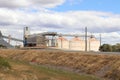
<point>77,44</point>
<point>62,43</point>
<point>94,44</point>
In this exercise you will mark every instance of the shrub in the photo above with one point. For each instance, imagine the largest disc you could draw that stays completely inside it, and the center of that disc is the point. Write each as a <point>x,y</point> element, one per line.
<point>2,46</point>
<point>4,64</point>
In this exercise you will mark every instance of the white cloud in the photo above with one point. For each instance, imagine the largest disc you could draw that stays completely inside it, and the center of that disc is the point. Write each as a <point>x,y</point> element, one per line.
<point>109,38</point>
<point>13,21</point>
<point>30,3</point>
<point>16,14</point>
<point>95,21</point>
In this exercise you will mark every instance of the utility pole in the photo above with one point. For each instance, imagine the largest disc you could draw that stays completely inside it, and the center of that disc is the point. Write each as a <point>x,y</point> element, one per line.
<point>86,39</point>
<point>69,44</point>
<point>61,42</point>
<point>90,45</point>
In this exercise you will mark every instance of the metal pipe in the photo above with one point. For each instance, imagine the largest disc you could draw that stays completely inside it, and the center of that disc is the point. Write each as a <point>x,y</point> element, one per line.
<point>73,35</point>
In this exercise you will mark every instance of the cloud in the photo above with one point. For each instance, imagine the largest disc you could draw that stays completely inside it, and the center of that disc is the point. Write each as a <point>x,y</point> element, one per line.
<point>109,38</point>
<point>74,20</point>
<point>13,21</point>
<point>30,3</point>
<point>16,14</point>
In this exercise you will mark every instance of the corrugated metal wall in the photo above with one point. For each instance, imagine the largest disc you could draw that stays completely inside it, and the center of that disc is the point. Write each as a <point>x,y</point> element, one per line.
<point>78,44</point>
<point>62,43</point>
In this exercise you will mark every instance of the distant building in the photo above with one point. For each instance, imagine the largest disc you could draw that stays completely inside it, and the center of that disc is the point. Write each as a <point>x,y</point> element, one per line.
<point>52,39</point>
<point>36,40</point>
<point>62,43</point>
<point>78,44</point>
<point>94,44</point>
<point>3,42</point>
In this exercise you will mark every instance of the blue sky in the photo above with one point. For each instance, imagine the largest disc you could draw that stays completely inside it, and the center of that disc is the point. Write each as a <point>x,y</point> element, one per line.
<point>94,5</point>
<point>62,16</point>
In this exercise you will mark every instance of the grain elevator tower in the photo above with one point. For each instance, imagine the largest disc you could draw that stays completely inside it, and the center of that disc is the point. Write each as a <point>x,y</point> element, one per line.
<point>26,34</point>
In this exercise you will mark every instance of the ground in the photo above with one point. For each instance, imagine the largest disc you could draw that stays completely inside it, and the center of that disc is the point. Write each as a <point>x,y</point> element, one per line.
<point>29,71</point>
<point>105,66</point>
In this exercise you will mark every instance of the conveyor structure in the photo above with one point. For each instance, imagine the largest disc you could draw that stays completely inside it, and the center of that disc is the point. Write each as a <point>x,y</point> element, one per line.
<point>5,43</point>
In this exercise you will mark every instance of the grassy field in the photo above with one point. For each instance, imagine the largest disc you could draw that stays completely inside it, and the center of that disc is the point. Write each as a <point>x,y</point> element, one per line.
<point>100,65</point>
<point>20,70</point>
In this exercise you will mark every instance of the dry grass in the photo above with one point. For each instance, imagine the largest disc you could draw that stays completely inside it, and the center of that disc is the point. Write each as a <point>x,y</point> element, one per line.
<point>106,66</point>
<point>21,70</point>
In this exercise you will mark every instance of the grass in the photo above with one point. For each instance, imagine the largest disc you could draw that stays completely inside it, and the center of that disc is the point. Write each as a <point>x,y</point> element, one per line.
<point>101,65</point>
<point>42,73</point>
<point>50,72</point>
<point>4,64</point>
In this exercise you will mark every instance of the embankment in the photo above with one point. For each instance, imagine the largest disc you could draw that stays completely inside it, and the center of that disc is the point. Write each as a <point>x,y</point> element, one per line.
<point>101,65</point>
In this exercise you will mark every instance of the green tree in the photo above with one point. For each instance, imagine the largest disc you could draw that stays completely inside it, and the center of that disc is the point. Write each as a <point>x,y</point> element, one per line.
<point>117,47</point>
<point>114,48</point>
<point>110,48</point>
<point>2,46</point>
<point>106,48</point>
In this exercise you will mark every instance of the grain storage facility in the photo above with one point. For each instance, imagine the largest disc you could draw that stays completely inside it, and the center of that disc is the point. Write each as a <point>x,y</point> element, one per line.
<point>94,44</point>
<point>3,42</point>
<point>62,43</point>
<point>36,40</point>
<point>77,44</point>
<point>33,40</point>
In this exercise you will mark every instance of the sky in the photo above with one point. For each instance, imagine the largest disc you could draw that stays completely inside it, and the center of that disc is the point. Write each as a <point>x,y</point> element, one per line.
<point>62,16</point>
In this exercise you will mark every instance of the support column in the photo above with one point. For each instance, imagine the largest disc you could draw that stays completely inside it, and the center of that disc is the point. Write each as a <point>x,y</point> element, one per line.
<point>86,39</point>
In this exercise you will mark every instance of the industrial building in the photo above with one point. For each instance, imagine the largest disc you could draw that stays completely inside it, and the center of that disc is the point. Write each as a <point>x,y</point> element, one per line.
<point>55,40</point>
<point>78,44</point>
<point>60,41</point>
<point>38,40</point>
<point>5,43</point>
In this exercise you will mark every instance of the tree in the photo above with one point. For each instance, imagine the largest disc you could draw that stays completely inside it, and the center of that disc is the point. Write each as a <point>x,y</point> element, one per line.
<point>2,46</point>
<point>116,48</point>
<point>110,48</point>
<point>106,48</point>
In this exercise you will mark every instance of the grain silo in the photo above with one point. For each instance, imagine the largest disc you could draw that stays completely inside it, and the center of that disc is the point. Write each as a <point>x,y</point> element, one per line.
<point>62,43</point>
<point>77,44</point>
<point>94,44</point>
<point>26,33</point>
